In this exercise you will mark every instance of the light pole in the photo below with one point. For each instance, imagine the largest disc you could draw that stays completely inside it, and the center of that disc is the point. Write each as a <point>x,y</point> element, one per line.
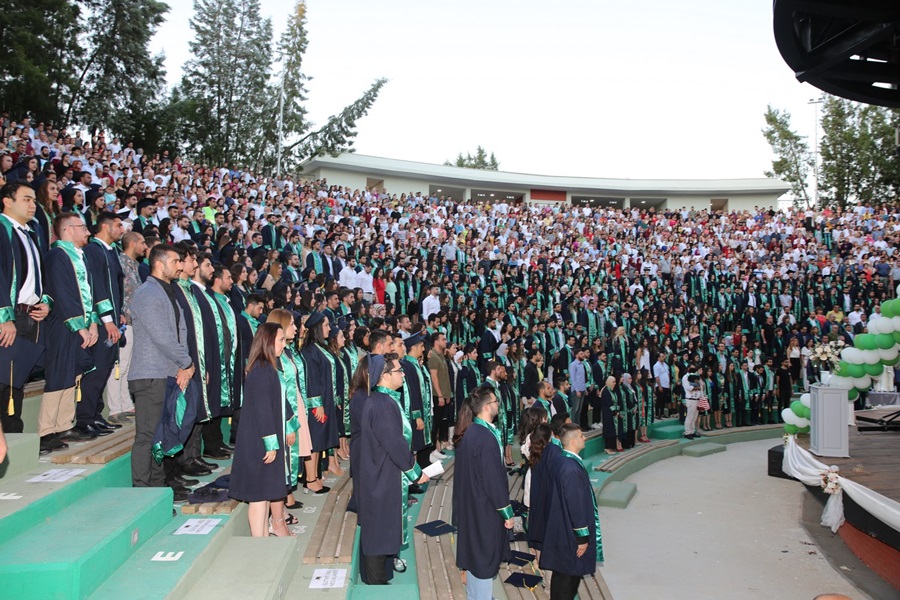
<point>816,103</point>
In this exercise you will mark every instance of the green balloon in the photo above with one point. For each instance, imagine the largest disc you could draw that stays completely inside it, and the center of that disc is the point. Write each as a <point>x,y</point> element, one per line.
<point>887,309</point>
<point>804,429</point>
<point>857,370</point>
<point>843,369</point>
<point>853,394</point>
<point>807,412</point>
<point>892,362</point>
<point>874,370</point>
<point>797,408</point>
<point>884,341</point>
<point>791,429</point>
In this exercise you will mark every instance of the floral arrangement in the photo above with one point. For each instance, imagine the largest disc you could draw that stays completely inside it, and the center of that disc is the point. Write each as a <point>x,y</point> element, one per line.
<point>830,479</point>
<point>827,355</point>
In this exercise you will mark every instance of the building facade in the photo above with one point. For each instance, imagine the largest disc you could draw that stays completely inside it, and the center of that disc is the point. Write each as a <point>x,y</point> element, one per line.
<point>358,171</point>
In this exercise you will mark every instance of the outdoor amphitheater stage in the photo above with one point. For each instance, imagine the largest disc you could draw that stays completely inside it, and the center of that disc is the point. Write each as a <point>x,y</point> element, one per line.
<point>874,462</point>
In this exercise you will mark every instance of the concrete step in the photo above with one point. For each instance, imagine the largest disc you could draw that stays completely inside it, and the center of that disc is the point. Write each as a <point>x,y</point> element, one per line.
<point>22,454</point>
<point>667,430</point>
<point>617,494</point>
<point>169,565</point>
<point>703,449</point>
<point>26,503</point>
<point>247,567</point>
<point>69,553</point>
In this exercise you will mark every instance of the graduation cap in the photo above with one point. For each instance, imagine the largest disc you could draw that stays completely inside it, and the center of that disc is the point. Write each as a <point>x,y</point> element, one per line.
<point>524,580</point>
<point>314,319</point>
<point>520,559</point>
<point>416,338</point>
<point>436,528</point>
<point>145,203</point>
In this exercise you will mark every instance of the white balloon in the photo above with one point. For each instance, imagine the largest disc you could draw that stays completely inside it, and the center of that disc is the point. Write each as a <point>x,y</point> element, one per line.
<point>871,357</point>
<point>895,321</point>
<point>889,354</point>
<point>862,383</point>
<point>805,399</point>
<point>842,383</point>
<point>804,422</point>
<point>788,416</point>
<point>852,355</point>
<point>875,326</point>
<point>887,325</point>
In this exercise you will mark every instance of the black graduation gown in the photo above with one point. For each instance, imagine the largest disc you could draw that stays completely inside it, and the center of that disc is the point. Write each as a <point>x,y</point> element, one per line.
<point>571,508</point>
<point>414,403</point>
<point>107,283</point>
<point>263,419</point>
<point>213,361</point>
<point>64,358</point>
<point>466,381</point>
<point>480,503</point>
<point>320,392</point>
<point>608,408</point>
<point>208,337</point>
<point>541,488</point>
<point>378,478</point>
<point>357,400</point>
<point>487,347</point>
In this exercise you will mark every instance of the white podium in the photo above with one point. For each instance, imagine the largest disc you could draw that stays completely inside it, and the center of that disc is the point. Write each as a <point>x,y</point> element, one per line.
<point>828,422</point>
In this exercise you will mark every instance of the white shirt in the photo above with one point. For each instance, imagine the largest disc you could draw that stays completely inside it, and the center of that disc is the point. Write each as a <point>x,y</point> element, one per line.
<point>26,293</point>
<point>430,306</point>
<point>348,277</point>
<point>364,282</point>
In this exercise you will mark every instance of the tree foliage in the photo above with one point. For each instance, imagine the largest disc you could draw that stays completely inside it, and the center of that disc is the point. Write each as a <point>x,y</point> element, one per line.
<point>858,160</point>
<point>793,161</point>
<point>481,160</point>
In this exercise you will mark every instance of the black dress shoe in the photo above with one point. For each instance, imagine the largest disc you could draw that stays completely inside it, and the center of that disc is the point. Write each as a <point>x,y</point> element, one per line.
<point>56,443</point>
<point>216,454</point>
<point>416,489</point>
<point>180,493</point>
<point>184,481</point>
<point>75,434</point>
<point>195,470</point>
<point>46,445</point>
<point>225,446</point>
<point>91,428</point>
<point>101,422</point>
<point>208,465</point>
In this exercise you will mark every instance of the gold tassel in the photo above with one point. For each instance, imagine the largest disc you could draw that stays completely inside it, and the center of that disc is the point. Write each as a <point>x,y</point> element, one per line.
<point>229,420</point>
<point>117,370</point>
<point>12,407</point>
<point>78,390</point>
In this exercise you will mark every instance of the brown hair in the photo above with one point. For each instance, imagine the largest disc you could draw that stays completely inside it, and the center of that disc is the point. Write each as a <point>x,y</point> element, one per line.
<point>262,350</point>
<point>281,317</point>
<point>540,437</point>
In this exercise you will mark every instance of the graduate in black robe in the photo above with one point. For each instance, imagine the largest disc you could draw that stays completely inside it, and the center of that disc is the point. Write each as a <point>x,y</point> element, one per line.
<point>467,379</point>
<point>539,502</point>
<point>384,472</point>
<point>487,346</point>
<point>417,392</point>
<point>320,388</point>
<point>609,408</point>
<point>481,508</point>
<point>260,473</point>
<point>572,544</point>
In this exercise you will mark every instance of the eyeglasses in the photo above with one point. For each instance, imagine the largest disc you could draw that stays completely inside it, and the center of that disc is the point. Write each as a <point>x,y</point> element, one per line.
<point>398,370</point>
<point>82,226</point>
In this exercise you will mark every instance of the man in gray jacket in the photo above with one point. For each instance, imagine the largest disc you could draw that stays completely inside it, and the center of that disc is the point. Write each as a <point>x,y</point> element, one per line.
<point>161,351</point>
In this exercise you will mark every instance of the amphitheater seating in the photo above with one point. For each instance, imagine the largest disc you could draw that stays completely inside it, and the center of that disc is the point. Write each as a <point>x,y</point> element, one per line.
<point>332,537</point>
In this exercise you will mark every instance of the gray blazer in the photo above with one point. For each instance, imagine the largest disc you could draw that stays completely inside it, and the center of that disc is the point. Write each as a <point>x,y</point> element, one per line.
<point>160,346</point>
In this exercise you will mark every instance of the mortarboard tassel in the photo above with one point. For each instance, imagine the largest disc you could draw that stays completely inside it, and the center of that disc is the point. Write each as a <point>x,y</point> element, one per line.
<point>78,390</point>
<point>117,370</point>
<point>12,407</point>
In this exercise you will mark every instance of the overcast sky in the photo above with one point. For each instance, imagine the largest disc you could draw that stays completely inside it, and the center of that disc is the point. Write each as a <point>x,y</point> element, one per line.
<point>593,88</point>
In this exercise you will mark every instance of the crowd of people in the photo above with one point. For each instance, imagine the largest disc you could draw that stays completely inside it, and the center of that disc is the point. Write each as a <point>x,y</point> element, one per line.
<point>315,324</point>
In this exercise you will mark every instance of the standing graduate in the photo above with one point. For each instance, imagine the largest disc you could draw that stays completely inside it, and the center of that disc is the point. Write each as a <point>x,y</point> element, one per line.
<point>107,285</point>
<point>468,377</point>
<point>609,407</point>
<point>385,469</point>
<point>71,330</point>
<point>543,466</point>
<point>319,393</point>
<point>481,508</point>
<point>417,393</point>
<point>572,545</point>
<point>260,473</point>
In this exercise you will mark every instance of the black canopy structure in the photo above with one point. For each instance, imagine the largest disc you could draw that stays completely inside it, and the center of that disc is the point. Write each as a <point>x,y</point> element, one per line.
<point>846,48</point>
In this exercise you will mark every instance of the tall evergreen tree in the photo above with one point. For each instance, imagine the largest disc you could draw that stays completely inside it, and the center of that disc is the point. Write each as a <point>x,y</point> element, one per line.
<point>481,160</point>
<point>119,80</point>
<point>793,160</point>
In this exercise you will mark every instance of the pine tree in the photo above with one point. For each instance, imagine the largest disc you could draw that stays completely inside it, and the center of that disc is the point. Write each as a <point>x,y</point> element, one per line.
<point>793,159</point>
<point>479,161</point>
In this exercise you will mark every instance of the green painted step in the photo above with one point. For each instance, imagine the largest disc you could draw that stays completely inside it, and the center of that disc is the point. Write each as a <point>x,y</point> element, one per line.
<point>703,449</point>
<point>617,494</point>
<point>247,567</point>
<point>68,554</point>
<point>22,454</point>
<point>35,501</point>
<point>168,565</point>
<point>672,430</point>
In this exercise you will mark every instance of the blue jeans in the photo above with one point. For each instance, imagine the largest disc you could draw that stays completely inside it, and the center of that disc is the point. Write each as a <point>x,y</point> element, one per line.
<point>575,402</point>
<point>478,589</point>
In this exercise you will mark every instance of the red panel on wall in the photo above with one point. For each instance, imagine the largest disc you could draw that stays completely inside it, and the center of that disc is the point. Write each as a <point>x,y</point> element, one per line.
<point>545,195</point>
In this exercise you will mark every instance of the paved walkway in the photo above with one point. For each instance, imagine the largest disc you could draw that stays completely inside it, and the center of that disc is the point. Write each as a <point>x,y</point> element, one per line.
<point>714,528</point>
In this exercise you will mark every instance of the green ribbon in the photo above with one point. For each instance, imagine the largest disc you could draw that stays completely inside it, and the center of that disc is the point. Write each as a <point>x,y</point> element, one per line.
<point>406,477</point>
<point>289,383</point>
<point>186,288</point>
<point>84,287</point>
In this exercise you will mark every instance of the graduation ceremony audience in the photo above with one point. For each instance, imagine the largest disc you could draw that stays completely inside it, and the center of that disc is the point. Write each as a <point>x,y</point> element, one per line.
<point>393,329</point>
